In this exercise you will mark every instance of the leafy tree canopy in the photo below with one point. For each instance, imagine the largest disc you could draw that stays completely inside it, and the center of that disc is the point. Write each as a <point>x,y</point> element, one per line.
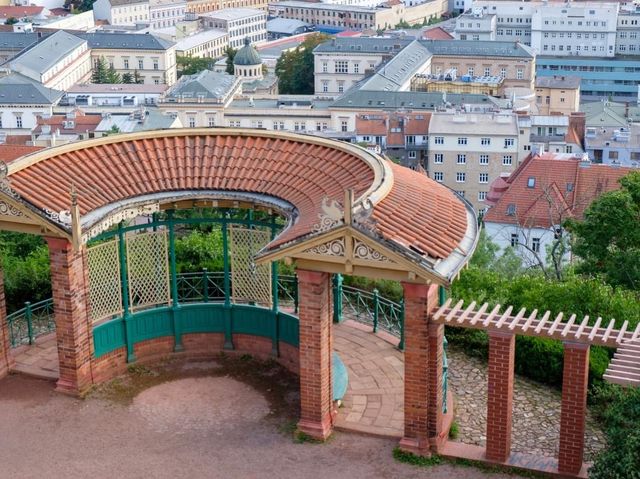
<point>608,239</point>
<point>231,54</point>
<point>193,65</point>
<point>295,68</point>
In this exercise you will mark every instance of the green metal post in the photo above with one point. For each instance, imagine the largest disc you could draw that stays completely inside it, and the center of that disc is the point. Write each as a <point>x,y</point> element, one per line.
<point>337,298</point>
<point>228,332</point>
<point>175,306</point>
<point>126,307</point>
<point>295,293</point>
<point>376,309</point>
<point>154,221</point>
<point>442,295</point>
<point>205,285</point>
<point>445,374</point>
<point>275,348</point>
<point>401,343</point>
<point>28,315</point>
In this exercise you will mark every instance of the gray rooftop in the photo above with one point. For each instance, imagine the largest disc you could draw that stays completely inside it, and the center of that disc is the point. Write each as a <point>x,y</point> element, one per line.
<point>17,41</point>
<point>206,84</point>
<point>115,3</point>
<point>126,41</point>
<point>324,6</point>
<point>231,14</point>
<point>478,48</point>
<point>409,100</point>
<point>558,81</point>
<point>363,45</point>
<point>18,89</point>
<point>285,25</point>
<point>46,54</point>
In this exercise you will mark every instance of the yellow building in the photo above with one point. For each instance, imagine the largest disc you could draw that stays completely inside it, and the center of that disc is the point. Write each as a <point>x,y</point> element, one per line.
<point>557,94</point>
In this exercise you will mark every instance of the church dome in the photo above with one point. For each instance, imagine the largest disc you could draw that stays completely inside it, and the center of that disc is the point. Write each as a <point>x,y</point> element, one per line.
<point>247,55</point>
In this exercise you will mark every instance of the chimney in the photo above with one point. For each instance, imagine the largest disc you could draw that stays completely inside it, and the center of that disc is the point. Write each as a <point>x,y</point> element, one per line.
<point>626,109</point>
<point>578,121</point>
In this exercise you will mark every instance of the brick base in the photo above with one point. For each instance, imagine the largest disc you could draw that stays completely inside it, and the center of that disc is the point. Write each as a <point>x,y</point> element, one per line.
<point>196,347</point>
<point>6,360</point>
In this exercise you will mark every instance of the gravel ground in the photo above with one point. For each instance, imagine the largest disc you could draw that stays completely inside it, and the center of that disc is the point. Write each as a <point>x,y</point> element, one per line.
<point>215,421</point>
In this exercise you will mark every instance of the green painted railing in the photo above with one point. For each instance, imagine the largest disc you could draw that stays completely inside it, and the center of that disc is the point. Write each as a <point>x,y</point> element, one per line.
<point>34,320</point>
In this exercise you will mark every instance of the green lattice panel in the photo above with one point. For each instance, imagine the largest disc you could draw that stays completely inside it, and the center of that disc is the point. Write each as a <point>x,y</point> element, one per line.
<point>105,290</point>
<point>250,282</point>
<point>148,269</point>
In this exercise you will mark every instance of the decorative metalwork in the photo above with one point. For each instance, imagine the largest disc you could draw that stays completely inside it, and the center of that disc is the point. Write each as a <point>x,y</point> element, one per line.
<point>62,217</point>
<point>362,250</point>
<point>9,210</point>
<point>250,282</point>
<point>117,217</point>
<point>5,186</point>
<point>148,268</point>
<point>332,215</point>
<point>335,247</point>
<point>105,288</point>
<point>364,216</point>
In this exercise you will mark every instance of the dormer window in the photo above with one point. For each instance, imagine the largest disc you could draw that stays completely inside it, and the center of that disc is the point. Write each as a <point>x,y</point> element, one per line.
<point>511,209</point>
<point>531,182</point>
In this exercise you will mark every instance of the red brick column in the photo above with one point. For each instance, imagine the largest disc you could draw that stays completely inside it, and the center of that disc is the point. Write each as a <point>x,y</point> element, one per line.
<point>502,351</point>
<point>6,361</point>
<point>437,437</point>
<point>314,311</point>
<point>420,416</point>
<point>575,380</point>
<point>73,331</point>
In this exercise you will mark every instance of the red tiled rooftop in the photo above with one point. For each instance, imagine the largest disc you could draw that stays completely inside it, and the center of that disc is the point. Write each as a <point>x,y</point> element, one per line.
<point>410,210</point>
<point>19,11</point>
<point>437,33</point>
<point>11,152</point>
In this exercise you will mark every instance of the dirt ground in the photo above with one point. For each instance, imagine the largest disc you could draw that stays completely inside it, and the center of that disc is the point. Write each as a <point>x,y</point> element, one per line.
<point>232,418</point>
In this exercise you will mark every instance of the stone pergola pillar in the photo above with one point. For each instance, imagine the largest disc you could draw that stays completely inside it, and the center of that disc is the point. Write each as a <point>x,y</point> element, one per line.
<point>422,370</point>
<point>6,360</point>
<point>314,311</point>
<point>575,379</point>
<point>73,330</point>
<point>502,352</point>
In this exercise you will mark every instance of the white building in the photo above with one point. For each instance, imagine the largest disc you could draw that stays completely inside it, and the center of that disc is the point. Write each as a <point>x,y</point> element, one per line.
<point>205,44</point>
<point>58,61</point>
<point>239,23</point>
<point>166,13</point>
<point>105,97</point>
<point>476,25</point>
<point>628,31</point>
<point>122,12</point>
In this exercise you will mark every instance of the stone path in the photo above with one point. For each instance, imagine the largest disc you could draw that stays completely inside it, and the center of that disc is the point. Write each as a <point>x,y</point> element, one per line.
<point>39,360</point>
<point>374,401</point>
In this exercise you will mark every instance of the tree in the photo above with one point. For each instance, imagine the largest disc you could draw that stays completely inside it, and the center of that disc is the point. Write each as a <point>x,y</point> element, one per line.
<point>127,78</point>
<point>608,239</point>
<point>100,71</point>
<point>231,54</point>
<point>114,130</point>
<point>11,21</point>
<point>295,68</point>
<point>193,65</point>
<point>137,78</point>
<point>113,76</point>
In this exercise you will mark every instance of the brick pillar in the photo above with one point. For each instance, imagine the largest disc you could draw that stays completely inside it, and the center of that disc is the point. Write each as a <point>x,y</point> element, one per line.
<point>502,349</point>
<point>575,380</point>
<point>314,311</point>
<point>73,331</point>
<point>420,417</point>
<point>6,360</point>
<point>437,437</point>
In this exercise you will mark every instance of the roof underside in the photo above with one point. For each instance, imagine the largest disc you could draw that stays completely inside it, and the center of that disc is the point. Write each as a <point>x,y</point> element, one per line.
<point>410,212</point>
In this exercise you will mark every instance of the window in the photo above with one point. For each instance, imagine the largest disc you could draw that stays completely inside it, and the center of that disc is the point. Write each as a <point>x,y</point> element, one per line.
<point>126,63</point>
<point>485,141</point>
<point>211,121</point>
<point>470,71</point>
<point>519,74</point>
<point>462,141</point>
<point>511,209</point>
<point>462,159</point>
<point>438,176</point>
<point>438,140</point>
<point>325,67</point>
<point>140,64</point>
<point>192,122</point>
<point>342,66</point>
<point>340,87</point>
<point>344,125</point>
<point>482,195</point>
<point>19,122</point>
<point>509,142</point>
<point>356,67</point>
<point>483,178</point>
<point>503,72</point>
<point>507,160</point>
<point>535,245</point>
<point>438,158</point>
<point>514,240</point>
<point>412,155</point>
<point>531,182</point>
<point>325,86</point>
<point>487,71</point>
<point>461,177</point>
<point>613,155</point>
<point>484,159</point>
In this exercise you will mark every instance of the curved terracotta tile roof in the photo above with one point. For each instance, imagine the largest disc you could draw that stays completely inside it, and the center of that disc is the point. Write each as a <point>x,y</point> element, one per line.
<point>410,210</point>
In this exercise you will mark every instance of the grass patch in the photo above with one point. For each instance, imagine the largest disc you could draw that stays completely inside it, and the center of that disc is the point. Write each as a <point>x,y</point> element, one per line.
<point>410,458</point>
<point>454,431</point>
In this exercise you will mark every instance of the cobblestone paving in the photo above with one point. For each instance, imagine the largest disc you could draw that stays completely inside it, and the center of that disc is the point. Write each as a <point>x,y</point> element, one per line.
<point>536,410</point>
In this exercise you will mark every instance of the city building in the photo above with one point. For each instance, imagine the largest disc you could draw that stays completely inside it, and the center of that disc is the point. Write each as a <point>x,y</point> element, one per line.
<point>552,133</point>
<point>476,25</point>
<point>557,94</point>
<point>166,13</point>
<point>122,12</point>
<point>55,130</point>
<point>628,30</point>
<point>614,146</point>
<point>466,152</point>
<point>12,43</point>
<point>239,23</point>
<point>21,101</point>
<point>205,6</point>
<point>31,13</point>
<point>204,44</point>
<point>528,207</point>
<point>284,27</point>
<point>200,100</point>
<point>247,64</point>
<point>57,61</point>
<point>95,98</point>
<point>153,58</point>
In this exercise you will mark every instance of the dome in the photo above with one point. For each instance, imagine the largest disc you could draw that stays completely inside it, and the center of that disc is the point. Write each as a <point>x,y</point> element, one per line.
<point>247,55</point>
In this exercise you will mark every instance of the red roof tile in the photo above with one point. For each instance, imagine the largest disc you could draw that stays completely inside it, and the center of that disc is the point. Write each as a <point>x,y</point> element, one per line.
<point>437,33</point>
<point>546,189</point>
<point>11,152</point>
<point>19,12</point>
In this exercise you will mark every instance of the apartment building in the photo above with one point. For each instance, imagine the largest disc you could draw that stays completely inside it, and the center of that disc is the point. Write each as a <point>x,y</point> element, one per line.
<point>205,44</point>
<point>205,6</point>
<point>466,152</point>
<point>122,12</point>
<point>239,23</point>
<point>628,31</point>
<point>476,25</point>
<point>166,13</point>
<point>58,61</point>
<point>153,58</point>
<point>551,133</point>
<point>557,94</point>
